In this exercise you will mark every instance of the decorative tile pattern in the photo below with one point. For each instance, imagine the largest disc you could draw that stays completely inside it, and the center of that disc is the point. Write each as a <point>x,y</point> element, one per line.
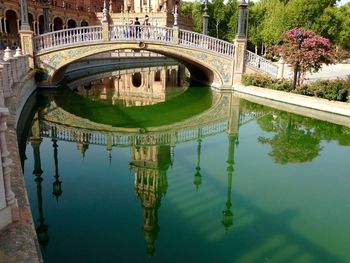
<point>221,66</point>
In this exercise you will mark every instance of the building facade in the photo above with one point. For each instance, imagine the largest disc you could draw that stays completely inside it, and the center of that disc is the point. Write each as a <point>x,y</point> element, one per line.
<point>64,14</point>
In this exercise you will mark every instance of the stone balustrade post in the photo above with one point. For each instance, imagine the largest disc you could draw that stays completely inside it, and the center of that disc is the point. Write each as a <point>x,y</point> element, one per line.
<point>238,59</point>
<point>6,161</point>
<point>176,33</point>
<point>105,31</point>
<point>7,54</point>
<point>280,72</point>
<point>18,52</point>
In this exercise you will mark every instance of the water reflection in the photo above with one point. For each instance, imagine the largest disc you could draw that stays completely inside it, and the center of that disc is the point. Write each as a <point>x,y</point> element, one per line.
<point>150,165</point>
<point>35,140</point>
<point>296,139</point>
<point>291,138</point>
<point>133,87</point>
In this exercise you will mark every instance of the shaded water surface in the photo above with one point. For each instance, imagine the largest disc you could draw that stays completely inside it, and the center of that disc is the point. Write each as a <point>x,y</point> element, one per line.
<point>225,180</point>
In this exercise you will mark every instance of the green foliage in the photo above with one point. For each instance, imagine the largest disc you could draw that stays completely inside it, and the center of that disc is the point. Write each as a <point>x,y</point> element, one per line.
<point>264,81</point>
<point>294,138</point>
<point>269,19</point>
<point>195,10</point>
<point>338,90</point>
<point>222,17</point>
<point>40,74</point>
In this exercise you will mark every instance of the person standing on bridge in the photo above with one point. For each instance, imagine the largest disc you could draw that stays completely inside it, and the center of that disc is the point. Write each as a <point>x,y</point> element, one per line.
<point>137,27</point>
<point>146,24</point>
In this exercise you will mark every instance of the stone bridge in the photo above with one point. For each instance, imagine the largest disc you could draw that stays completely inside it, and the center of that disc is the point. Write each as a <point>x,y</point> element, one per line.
<point>209,59</point>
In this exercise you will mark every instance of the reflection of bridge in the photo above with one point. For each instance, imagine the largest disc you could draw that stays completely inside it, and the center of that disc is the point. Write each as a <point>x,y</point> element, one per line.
<point>223,116</point>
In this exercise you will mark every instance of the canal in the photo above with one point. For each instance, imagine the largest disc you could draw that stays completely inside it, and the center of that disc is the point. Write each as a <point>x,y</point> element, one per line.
<point>136,166</point>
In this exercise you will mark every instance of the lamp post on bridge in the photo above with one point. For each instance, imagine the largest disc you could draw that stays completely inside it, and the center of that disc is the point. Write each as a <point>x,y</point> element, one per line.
<point>300,39</point>
<point>24,15</point>
<point>46,16</point>
<point>205,18</point>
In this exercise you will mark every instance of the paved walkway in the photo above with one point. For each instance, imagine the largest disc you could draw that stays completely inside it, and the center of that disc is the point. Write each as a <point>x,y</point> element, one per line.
<point>326,72</point>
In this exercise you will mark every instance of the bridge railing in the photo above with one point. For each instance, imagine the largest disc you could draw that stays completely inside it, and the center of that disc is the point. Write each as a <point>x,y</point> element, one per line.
<point>11,72</point>
<point>141,33</point>
<point>193,39</point>
<point>67,37</point>
<point>261,64</point>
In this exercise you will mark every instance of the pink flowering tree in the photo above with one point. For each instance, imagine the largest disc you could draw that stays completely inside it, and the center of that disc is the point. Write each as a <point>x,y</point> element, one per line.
<point>314,51</point>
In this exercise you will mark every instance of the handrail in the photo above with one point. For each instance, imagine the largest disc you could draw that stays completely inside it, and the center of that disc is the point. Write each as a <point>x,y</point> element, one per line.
<point>66,37</point>
<point>193,39</point>
<point>261,64</point>
<point>76,36</point>
<point>140,33</point>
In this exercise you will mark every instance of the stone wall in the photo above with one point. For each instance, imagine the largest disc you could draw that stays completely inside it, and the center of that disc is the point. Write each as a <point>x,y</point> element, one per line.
<point>18,242</point>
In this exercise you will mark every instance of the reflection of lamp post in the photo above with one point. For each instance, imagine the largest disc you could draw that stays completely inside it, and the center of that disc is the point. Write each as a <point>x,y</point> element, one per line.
<point>57,184</point>
<point>299,36</point>
<point>197,176</point>
<point>227,219</point>
<point>42,229</point>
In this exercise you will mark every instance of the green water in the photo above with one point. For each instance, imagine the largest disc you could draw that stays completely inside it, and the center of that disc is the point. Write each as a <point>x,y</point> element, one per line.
<point>275,189</point>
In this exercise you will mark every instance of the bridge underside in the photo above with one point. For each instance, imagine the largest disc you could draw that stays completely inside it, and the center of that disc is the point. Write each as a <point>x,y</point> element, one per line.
<point>205,67</point>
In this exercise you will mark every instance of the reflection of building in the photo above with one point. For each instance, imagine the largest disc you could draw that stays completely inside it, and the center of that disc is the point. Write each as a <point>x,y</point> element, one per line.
<point>137,87</point>
<point>150,165</point>
<point>62,14</point>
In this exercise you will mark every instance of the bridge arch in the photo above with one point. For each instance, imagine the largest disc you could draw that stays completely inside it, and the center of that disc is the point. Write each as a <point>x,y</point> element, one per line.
<point>200,69</point>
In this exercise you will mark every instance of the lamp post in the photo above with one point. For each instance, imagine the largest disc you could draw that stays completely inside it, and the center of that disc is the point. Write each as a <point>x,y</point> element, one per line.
<point>242,17</point>
<point>24,15</point>
<point>46,16</point>
<point>299,36</point>
<point>205,18</point>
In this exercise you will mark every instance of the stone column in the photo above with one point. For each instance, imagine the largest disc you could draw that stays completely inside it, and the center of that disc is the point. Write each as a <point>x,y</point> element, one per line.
<point>5,27</point>
<point>240,44</point>
<point>34,27</point>
<point>280,72</point>
<point>27,45</point>
<point>6,161</point>
<point>1,24</point>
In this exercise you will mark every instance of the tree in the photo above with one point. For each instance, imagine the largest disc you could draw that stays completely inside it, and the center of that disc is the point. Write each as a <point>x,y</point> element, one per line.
<point>273,24</point>
<point>195,9</point>
<point>314,51</point>
<point>218,14</point>
<point>231,17</point>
